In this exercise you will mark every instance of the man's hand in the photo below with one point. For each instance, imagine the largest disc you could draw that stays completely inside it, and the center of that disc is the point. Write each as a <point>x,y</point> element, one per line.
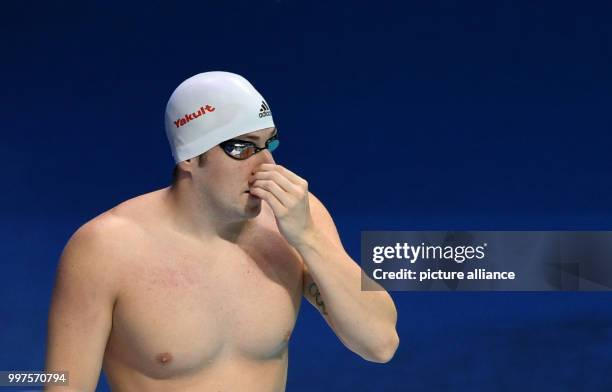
<point>287,195</point>
<point>364,321</point>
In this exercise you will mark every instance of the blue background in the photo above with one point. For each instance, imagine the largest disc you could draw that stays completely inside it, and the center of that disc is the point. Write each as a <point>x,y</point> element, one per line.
<point>428,115</point>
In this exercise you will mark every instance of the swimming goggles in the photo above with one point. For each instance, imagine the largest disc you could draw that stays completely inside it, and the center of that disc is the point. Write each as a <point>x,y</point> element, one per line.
<point>241,149</point>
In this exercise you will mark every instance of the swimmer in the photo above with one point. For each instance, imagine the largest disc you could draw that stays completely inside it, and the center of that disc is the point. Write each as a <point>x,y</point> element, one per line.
<point>197,286</point>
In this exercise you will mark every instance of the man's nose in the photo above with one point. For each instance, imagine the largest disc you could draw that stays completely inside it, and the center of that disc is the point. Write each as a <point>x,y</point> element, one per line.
<point>265,156</point>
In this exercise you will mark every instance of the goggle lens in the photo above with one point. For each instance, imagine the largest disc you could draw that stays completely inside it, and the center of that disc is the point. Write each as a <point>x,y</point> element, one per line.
<point>272,144</point>
<point>238,149</point>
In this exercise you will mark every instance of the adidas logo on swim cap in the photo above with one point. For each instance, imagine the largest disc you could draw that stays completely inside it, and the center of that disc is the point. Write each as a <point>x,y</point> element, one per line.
<point>264,111</point>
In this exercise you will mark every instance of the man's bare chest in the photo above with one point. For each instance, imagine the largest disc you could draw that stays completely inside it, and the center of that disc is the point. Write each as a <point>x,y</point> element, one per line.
<point>182,308</point>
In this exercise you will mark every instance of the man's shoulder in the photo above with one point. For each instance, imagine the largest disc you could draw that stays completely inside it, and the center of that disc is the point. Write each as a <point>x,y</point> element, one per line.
<point>112,232</point>
<point>125,219</point>
<point>102,234</point>
<point>110,224</point>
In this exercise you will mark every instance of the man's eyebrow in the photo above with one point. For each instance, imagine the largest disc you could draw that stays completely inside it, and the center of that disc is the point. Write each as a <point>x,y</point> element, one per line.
<point>257,137</point>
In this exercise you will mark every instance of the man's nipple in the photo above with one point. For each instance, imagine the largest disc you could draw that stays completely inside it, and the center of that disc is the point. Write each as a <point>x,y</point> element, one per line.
<point>164,358</point>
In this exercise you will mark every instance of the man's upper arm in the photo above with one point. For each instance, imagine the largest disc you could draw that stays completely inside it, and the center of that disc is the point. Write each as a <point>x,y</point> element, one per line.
<point>80,316</point>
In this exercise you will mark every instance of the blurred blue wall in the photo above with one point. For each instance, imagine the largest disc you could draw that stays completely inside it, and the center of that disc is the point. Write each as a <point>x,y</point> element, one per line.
<point>421,115</point>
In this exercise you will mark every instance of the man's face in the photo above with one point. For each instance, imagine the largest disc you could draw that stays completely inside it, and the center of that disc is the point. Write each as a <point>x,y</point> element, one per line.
<point>223,182</point>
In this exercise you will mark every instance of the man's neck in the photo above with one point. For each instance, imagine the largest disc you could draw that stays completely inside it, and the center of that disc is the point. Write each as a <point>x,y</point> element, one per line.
<point>193,217</point>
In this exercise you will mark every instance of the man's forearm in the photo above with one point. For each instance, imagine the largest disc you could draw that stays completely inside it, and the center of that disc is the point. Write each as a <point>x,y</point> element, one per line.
<point>364,320</point>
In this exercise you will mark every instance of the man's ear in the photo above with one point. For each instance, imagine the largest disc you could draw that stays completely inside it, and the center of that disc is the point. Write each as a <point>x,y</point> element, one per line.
<point>188,165</point>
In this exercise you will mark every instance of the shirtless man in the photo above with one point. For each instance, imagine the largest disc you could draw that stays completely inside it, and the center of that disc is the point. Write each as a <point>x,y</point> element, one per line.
<point>197,286</point>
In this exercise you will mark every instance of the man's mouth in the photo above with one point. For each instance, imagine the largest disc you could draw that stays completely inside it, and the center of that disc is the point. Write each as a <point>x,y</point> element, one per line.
<point>251,195</point>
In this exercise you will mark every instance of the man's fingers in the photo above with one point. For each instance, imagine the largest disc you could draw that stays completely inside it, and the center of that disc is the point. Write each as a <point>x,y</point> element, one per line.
<point>272,187</point>
<point>278,178</point>
<point>267,196</point>
<point>291,176</point>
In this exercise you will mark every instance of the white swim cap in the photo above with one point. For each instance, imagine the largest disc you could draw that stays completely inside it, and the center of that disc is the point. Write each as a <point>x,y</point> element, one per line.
<point>212,107</point>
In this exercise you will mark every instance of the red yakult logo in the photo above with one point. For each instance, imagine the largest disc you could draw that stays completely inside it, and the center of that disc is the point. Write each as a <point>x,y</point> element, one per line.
<point>192,116</point>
